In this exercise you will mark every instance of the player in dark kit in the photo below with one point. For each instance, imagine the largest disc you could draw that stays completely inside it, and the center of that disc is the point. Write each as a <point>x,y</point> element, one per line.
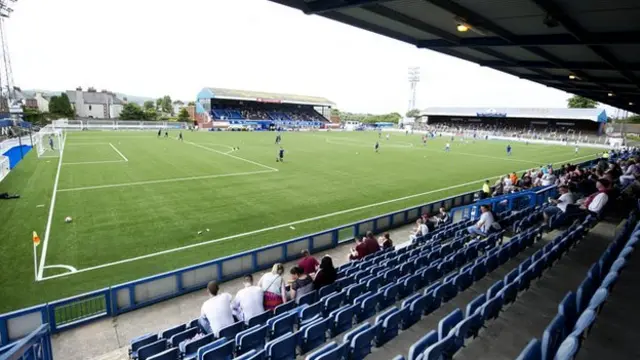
<point>509,150</point>
<point>377,146</point>
<point>166,134</point>
<point>159,132</point>
<point>278,139</point>
<point>180,136</point>
<point>280,157</point>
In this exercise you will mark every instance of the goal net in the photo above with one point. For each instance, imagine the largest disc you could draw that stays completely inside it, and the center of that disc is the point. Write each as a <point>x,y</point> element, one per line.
<point>48,142</point>
<point>4,167</point>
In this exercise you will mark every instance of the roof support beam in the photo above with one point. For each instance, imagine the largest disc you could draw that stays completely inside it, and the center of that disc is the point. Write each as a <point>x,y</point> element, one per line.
<point>550,65</point>
<point>583,36</point>
<point>592,80</point>
<point>632,37</point>
<point>412,22</point>
<point>323,6</point>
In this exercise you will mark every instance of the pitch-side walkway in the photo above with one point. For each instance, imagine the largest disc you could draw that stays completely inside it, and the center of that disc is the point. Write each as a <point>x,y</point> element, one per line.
<point>108,338</point>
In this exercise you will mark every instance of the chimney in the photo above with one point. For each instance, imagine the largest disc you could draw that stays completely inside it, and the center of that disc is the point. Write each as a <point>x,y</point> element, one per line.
<point>91,89</point>
<point>79,88</point>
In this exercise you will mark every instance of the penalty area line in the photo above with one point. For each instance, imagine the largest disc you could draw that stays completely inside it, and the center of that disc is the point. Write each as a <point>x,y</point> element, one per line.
<point>275,227</point>
<point>119,153</point>
<point>231,156</point>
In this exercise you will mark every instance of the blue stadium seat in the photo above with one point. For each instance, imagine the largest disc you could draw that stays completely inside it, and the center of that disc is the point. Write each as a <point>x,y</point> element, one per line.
<point>326,290</point>
<point>511,276</point>
<point>478,271</point>
<point>282,348</point>
<point>388,324</point>
<point>331,302</point>
<point>449,322</point>
<point>491,309</point>
<point>410,285</point>
<point>609,280</point>
<point>252,355</point>
<point>281,324</point>
<point>231,331</point>
<point>283,308</point>
<point>567,309</point>
<point>147,351</point>
<point>509,293</point>
<point>230,346</point>
<point>416,309</point>
<point>344,282</point>
<point>309,313</point>
<point>432,302</point>
<point>568,349</point>
<point>440,350</point>
<point>170,354</point>
<point>308,299</point>
<point>251,339</point>
<point>494,289</point>
<point>342,319</point>
<point>374,283</point>
<point>189,349</point>
<point>491,263</point>
<point>331,351</point>
<point>168,333</point>
<point>584,293</point>
<point>313,335</point>
<point>353,292</point>
<point>182,336</point>
<point>533,351</point>
<point>446,292</point>
<point>259,319</point>
<point>361,342</point>
<point>524,279</point>
<point>368,307</point>
<point>475,304</point>
<point>421,345</point>
<point>140,341</point>
<point>463,281</point>
<point>552,337</point>
<point>583,324</point>
<point>598,299</point>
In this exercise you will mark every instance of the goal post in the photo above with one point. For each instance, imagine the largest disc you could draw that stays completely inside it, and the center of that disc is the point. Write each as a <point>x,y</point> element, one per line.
<point>48,142</point>
<point>4,166</point>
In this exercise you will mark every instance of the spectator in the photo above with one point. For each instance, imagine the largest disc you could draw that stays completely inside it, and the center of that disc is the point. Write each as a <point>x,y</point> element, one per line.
<point>301,284</point>
<point>273,286</point>
<point>371,242</point>
<point>548,179</point>
<point>442,217</point>
<point>566,198</point>
<point>421,230</point>
<point>594,203</point>
<point>216,312</point>
<point>308,263</point>
<point>386,241</point>
<point>485,223</point>
<point>629,174</point>
<point>249,300</point>
<point>486,190</point>
<point>359,251</point>
<point>326,274</point>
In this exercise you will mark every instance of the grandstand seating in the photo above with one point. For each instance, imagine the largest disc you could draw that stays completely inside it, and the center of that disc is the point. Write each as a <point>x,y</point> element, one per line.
<point>399,285</point>
<point>282,113</point>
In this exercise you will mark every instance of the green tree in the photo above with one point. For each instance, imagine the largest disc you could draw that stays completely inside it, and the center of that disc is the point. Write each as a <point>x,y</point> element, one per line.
<point>132,111</point>
<point>167,105</point>
<point>148,105</point>
<point>335,112</point>
<point>191,103</point>
<point>580,102</point>
<point>151,114</point>
<point>159,104</point>
<point>34,116</point>
<point>413,113</point>
<point>184,115</point>
<point>60,106</point>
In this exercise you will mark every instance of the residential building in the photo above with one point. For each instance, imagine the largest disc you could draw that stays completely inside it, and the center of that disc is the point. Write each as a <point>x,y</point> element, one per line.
<point>42,101</point>
<point>95,105</point>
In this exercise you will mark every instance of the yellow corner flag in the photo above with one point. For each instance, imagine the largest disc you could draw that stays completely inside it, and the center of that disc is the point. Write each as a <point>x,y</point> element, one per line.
<point>36,239</point>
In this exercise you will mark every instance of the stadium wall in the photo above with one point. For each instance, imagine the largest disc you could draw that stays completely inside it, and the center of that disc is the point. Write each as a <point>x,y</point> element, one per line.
<point>78,310</point>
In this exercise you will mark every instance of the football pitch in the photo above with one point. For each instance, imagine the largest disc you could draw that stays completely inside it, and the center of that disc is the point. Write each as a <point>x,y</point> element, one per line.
<point>142,205</point>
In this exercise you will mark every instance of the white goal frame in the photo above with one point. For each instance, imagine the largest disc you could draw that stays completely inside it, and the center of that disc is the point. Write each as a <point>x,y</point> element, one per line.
<point>42,144</point>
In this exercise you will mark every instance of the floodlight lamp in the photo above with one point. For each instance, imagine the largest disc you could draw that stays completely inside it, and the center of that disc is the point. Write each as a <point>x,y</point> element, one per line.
<point>631,103</point>
<point>462,27</point>
<point>610,94</point>
<point>572,77</point>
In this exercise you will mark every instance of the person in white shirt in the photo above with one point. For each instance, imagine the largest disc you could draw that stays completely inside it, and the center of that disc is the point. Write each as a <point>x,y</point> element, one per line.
<point>216,312</point>
<point>485,223</point>
<point>566,198</point>
<point>548,179</point>
<point>273,285</point>
<point>594,203</point>
<point>421,230</point>
<point>248,301</point>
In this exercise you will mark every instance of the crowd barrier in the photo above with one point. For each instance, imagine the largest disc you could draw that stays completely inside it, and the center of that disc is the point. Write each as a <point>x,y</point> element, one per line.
<point>66,313</point>
<point>79,125</point>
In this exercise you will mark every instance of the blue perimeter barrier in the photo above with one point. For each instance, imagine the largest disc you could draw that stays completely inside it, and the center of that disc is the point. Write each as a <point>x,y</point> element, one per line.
<point>112,301</point>
<point>35,346</point>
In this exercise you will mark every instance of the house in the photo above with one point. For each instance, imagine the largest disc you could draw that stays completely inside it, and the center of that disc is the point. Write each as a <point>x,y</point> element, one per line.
<point>41,101</point>
<point>95,105</point>
<point>177,106</point>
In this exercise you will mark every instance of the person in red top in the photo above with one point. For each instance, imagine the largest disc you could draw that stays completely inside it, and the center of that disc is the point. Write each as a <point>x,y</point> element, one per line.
<point>308,263</point>
<point>371,242</point>
<point>359,251</point>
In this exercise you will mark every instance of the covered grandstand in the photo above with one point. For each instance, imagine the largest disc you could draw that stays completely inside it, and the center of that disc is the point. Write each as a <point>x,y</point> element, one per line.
<point>550,120</point>
<point>255,110</point>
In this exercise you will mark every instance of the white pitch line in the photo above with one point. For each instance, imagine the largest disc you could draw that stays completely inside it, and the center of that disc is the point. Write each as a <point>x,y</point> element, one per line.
<point>47,231</point>
<point>61,266</point>
<point>253,232</point>
<point>232,156</point>
<point>506,158</point>
<point>119,153</point>
<point>94,162</point>
<point>162,181</point>
<point>86,144</point>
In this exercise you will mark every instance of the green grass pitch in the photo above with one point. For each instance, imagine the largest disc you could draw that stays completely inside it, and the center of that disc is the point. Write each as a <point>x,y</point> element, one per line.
<point>132,195</point>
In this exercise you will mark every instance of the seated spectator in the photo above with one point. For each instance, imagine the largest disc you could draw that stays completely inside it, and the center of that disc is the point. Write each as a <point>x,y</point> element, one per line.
<point>301,284</point>
<point>629,174</point>
<point>594,203</point>
<point>442,217</point>
<point>548,179</point>
<point>484,225</point>
<point>308,263</point>
<point>421,230</point>
<point>386,241</point>
<point>560,204</point>
<point>326,274</point>
<point>371,242</point>
<point>272,283</point>
<point>215,313</point>
<point>249,300</point>
<point>486,190</point>
<point>360,250</point>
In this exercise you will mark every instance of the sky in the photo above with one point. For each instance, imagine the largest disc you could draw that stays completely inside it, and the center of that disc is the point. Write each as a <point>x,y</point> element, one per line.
<point>152,48</point>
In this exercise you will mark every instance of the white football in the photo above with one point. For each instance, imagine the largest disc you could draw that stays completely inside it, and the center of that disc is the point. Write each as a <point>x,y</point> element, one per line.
<point>68,219</point>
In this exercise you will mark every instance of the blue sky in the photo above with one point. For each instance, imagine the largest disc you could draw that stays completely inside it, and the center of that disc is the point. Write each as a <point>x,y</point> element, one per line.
<point>152,48</point>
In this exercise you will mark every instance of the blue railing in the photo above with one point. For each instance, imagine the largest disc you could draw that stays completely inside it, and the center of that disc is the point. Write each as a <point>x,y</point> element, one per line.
<point>66,313</point>
<point>35,346</point>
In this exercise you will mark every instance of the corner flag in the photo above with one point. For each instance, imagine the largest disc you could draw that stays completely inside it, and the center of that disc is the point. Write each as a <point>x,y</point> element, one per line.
<point>36,239</point>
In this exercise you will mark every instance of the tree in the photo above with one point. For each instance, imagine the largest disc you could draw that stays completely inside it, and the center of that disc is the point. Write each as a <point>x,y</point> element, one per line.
<point>148,105</point>
<point>131,111</point>
<point>335,112</point>
<point>151,114</point>
<point>191,103</point>
<point>184,115</point>
<point>413,113</point>
<point>167,105</point>
<point>579,102</point>
<point>159,104</point>
<point>34,116</point>
<point>60,106</point>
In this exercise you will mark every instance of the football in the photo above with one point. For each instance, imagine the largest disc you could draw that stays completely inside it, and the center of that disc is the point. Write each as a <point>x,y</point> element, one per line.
<point>68,219</point>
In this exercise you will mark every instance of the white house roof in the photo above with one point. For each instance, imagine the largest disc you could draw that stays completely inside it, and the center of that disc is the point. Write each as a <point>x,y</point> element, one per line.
<point>598,115</point>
